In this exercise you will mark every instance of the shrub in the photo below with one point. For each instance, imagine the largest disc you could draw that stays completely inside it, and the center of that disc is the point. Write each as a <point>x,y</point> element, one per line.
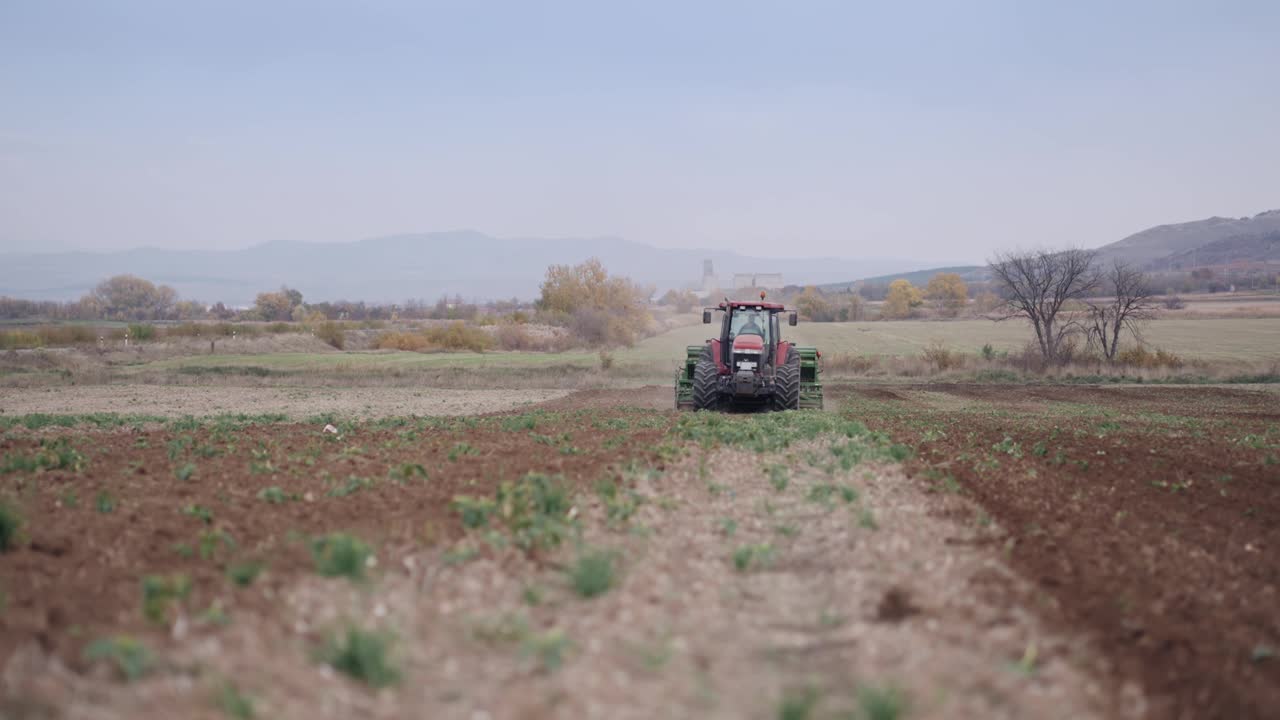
<point>846,362</point>
<point>459,336</point>
<point>1140,357</point>
<point>19,340</point>
<point>10,524</point>
<point>1173,302</point>
<point>332,333</point>
<point>187,329</point>
<point>130,656</point>
<point>513,337</point>
<point>363,656</point>
<point>941,358</point>
<point>412,342</point>
<point>454,336</point>
<point>814,306</point>
<point>593,573</point>
<point>51,335</point>
<point>140,332</point>
<point>340,555</point>
<point>682,300</point>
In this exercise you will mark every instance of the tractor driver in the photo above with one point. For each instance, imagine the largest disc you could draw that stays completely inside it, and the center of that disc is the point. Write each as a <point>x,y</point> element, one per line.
<point>750,327</point>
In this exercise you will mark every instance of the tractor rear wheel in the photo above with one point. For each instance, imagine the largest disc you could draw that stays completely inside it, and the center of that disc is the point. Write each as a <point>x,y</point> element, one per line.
<point>705,377</point>
<point>786,383</point>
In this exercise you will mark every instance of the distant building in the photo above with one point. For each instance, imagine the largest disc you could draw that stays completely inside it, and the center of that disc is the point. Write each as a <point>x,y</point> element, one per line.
<point>766,281</point>
<point>710,282</point>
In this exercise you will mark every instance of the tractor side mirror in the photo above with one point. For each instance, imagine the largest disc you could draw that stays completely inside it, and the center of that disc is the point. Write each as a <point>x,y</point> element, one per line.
<point>706,317</point>
<point>792,319</point>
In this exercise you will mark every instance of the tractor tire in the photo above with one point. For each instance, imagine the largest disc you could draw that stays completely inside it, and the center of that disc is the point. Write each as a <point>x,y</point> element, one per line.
<point>705,378</point>
<point>786,384</point>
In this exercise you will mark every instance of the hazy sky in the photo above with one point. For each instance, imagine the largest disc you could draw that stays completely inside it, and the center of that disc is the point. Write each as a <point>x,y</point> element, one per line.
<point>908,129</point>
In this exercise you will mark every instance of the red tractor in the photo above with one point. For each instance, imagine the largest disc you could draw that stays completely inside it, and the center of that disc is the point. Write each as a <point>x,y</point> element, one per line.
<point>749,365</point>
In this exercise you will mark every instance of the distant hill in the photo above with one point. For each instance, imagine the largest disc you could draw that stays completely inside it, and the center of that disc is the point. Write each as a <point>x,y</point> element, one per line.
<point>1263,247</point>
<point>1152,247</point>
<point>968,273</point>
<point>1183,246</point>
<point>398,268</point>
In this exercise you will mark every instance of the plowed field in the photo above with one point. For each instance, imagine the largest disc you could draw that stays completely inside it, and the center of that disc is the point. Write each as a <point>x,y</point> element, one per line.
<point>916,551</point>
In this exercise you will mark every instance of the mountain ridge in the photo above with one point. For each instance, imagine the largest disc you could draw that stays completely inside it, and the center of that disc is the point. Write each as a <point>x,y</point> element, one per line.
<point>1174,246</point>
<point>395,268</point>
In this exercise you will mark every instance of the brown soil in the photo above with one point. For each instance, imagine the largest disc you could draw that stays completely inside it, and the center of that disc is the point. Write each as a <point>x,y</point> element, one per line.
<point>849,595</point>
<point>1151,517</point>
<point>81,572</point>
<point>295,402</point>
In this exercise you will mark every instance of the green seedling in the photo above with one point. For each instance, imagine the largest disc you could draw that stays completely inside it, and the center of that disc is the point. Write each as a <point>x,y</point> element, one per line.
<point>362,655</point>
<point>593,573</point>
<point>340,555</point>
<point>159,592</point>
<point>129,656</point>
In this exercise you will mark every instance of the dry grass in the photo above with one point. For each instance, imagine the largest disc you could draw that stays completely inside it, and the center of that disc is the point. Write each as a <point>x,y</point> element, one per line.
<point>452,337</point>
<point>1137,364</point>
<point>520,337</point>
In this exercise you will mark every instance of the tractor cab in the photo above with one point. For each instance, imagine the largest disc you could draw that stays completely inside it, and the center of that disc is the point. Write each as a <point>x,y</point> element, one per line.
<point>749,334</point>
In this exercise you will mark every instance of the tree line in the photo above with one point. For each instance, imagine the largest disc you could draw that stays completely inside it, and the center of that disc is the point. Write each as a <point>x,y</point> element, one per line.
<point>129,298</point>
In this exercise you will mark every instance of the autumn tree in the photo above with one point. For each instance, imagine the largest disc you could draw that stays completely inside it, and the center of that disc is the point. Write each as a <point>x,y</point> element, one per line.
<point>682,300</point>
<point>1038,285</point>
<point>948,293</point>
<point>279,305</point>
<point>273,306</point>
<point>900,300</point>
<point>855,308</point>
<point>814,306</point>
<point>188,310</point>
<point>129,297</point>
<point>600,308</point>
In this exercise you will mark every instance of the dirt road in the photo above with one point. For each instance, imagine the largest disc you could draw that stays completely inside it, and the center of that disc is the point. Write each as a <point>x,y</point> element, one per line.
<point>297,403</point>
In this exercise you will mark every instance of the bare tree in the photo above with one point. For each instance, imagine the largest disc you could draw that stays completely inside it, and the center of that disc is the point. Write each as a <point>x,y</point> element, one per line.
<point>1037,285</point>
<point>1131,304</point>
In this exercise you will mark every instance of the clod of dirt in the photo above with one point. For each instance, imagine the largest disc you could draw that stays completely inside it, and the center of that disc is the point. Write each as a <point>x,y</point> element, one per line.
<point>895,606</point>
<point>57,546</point>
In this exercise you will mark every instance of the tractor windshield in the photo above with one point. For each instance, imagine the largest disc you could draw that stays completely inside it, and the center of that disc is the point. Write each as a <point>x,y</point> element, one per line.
<point>750,322</point>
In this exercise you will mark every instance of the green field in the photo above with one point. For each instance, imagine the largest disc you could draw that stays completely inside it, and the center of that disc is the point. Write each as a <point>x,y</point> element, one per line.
<point>1235,339</point>
<point>1247,340</point>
